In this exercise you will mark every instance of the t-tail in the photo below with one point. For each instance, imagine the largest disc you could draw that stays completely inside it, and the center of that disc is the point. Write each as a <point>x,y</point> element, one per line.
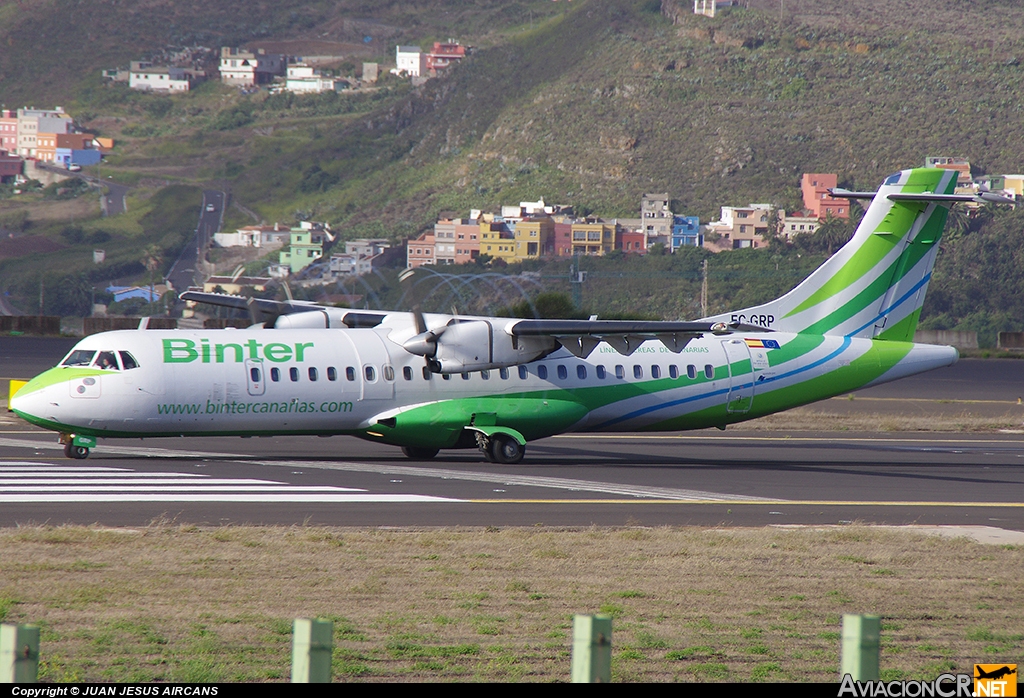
<point>875,285</point>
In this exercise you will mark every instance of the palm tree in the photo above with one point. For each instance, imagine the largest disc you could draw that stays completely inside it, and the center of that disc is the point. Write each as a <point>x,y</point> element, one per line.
<point>152,258</point>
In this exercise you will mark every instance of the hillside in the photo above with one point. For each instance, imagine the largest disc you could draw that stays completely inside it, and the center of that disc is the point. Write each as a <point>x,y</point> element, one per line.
<point>591,103</point>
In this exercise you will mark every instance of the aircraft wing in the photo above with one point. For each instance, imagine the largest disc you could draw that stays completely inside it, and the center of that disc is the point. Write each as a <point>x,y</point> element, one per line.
<point>242,303</point>
<point>269,311</point>
<point>581,337</point>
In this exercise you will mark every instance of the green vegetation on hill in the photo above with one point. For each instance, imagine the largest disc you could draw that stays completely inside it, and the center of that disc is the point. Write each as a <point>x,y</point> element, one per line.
<point>592,103</point>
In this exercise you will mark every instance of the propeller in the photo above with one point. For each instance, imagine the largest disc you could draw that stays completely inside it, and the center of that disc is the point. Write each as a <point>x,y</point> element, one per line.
<point>424,343</point>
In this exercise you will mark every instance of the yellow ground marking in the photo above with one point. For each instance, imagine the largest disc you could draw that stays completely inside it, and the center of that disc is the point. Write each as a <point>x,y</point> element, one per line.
<point>727,502</point>
<point>881,438</point>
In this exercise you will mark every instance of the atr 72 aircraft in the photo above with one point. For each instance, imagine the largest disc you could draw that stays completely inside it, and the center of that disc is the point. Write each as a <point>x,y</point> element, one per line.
<point>427,382</point>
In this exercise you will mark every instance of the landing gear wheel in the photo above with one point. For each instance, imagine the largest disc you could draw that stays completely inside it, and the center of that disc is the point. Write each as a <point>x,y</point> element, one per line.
<point>504,449</point>
<point>76,452</point>
<point>417,453</point>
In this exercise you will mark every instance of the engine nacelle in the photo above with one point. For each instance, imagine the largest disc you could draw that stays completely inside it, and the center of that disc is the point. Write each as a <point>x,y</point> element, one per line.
<point>475,345</point>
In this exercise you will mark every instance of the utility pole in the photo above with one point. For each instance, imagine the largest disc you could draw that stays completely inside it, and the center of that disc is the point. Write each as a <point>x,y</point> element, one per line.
<point>576,279</point>
<point>704,291</point>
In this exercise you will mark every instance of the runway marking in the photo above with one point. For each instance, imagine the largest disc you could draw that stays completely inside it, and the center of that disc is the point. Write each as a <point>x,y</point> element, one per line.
<point>31,482</point>
<point>511,479</point>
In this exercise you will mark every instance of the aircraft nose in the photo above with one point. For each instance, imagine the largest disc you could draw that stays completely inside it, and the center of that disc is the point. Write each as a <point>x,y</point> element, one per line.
<point>30,401</point>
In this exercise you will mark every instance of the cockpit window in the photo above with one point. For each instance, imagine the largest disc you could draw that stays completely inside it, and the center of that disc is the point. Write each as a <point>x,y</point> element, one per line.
<point>128,361</point>
<point>106,360</point>
<point>893,179</point>
<point>79,357</point>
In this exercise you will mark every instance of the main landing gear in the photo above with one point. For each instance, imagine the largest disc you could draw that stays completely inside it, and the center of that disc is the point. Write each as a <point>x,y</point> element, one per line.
<point>500,448</point>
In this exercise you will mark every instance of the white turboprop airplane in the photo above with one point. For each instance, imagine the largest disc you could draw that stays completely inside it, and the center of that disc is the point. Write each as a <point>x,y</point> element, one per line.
<point>430,382</point>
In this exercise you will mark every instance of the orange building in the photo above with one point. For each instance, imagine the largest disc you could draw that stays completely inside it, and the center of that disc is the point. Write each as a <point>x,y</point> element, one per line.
<point>817,198</point>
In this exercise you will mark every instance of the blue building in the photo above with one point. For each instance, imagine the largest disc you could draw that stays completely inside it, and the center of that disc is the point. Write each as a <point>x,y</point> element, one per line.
<point>686,232</point>
<point>84,157</point>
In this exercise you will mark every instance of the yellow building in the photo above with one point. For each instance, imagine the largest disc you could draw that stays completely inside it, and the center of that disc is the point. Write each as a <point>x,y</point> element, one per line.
<point>594,238</point>
<point>534,237</point>
<point>497,241</point>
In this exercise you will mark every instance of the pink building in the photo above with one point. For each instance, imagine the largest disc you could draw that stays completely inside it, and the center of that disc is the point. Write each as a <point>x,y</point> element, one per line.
<point>817,198</point>
<point>8,130</point>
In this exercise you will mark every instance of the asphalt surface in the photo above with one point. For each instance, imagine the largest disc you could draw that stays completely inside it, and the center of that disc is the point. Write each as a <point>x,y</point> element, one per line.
<point>708,478</point>
<point>185,271</point>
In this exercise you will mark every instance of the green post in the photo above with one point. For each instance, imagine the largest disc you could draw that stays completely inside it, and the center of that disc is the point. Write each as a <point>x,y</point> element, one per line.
<point>312,646</point>
<point>861,641</point>
<point>19,653</point>
<point>592,649</point>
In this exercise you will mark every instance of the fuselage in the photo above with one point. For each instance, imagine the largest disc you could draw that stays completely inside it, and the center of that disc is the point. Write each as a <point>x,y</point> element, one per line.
<point>362,383</point>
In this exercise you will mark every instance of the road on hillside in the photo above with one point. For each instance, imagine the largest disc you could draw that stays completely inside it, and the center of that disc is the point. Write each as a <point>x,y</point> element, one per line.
<point>186,271</point>
<point>112,202</point>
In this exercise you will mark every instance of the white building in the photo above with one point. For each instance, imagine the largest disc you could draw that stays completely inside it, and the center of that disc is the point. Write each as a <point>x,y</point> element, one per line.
<point>791,224</point>
<point>304,78</point>
<point>248,68</point>
<point>410,60</point>
<point>263,236</point>
<point>146,76</point>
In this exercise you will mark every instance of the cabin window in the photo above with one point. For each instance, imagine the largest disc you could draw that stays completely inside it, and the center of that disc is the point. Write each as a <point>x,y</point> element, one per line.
<point>691,372</point>
<point>563,373</point>
<point>79,357</point>
<point>254,374</point>
<point>371,373</point>
<point>503,372</point>
<point>638,371</point>
<point>599,370</point>
<point>486,375</point>
<point>107,361</point>
<point>332,373</point>
<point>709,371</point>
<point>620,371</point>
<point>312,374</point>
<point>465,376</point>
<point>426,373</point>
<point>407,372</point>
<point>275,374</point>
<point>523,372</point>
<point>673,371</point>
<point>293,373</point>
<point>446,376</point>
<point>350,373</point>
<point>655,371</point>
<point>542,372</point>
<point>581,372</point>
<point>128,361</point>
<point>389,372</point>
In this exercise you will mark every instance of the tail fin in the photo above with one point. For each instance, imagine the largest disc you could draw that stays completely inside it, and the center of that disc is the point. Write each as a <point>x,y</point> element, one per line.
<point>875,285</point>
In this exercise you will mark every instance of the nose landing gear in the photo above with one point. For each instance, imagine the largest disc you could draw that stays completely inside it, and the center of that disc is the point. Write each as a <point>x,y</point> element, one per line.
<point>77,446</point>
<point>77,452</point>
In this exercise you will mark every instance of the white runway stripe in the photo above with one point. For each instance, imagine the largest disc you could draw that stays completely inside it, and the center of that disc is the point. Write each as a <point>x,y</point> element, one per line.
<point>27,482</point>
<point>285,497</point>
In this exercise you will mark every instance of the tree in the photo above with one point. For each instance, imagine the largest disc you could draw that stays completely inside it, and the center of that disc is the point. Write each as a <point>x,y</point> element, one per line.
<point>152,258</point>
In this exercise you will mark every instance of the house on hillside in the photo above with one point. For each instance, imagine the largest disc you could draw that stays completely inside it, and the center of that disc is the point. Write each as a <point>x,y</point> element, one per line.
<point>143,75</point>
<point>819,200</point>
<point>443,56</point>
<point>410,60</point>
<point>302,78</point>
<point>248,68</point>
<point>739,227</point>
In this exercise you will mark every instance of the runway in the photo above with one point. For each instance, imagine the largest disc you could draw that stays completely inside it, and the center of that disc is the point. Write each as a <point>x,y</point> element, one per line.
<point>708,478</point>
